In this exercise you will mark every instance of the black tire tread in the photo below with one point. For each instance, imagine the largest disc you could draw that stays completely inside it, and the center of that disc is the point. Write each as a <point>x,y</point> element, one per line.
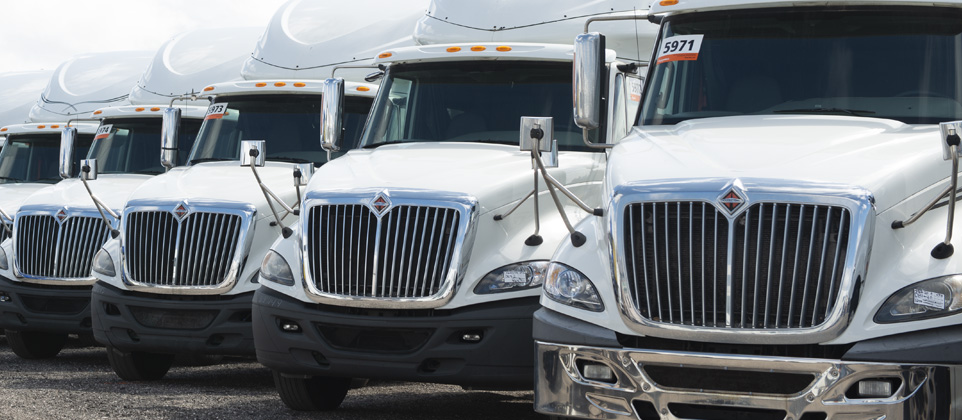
<point>139,366</point>
<point>35,344</point>
<point>312,394</point>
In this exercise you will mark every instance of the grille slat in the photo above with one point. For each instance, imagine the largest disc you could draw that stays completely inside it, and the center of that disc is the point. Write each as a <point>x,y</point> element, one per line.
<point>404,254</point>
<point>785,263</point>
<point>50,250</point>
<point>199,251</point>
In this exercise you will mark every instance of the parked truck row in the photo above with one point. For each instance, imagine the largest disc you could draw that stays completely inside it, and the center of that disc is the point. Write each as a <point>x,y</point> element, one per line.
<point>697,209</point>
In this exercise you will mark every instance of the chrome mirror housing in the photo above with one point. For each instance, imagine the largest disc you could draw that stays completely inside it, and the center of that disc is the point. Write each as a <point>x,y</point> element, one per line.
<point>588,73</point>
<point>332,111</point>
<point>253,151</point>
<point>537,134</point>
<point>169,132</point>
<point>303,173</point>
<point>948,129</point>
<point>67,139</point>
<point>88,169</point>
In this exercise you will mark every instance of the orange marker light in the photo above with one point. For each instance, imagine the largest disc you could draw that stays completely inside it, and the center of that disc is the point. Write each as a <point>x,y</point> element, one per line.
<point>280,84</point>
<point>41,126</point>
<point>668,2</point>
<point>453,49</point>
<point>139,109</point>
<point>3,129</point>
<point>384,55</point>
<point>363,88</point>
<point>503,48</point>
<point>208,88</point>
<point>299,84</point>
<point>98,112</point>
<point>54,126</point>
<point>155,109</point>
<point>478,48</point>
<point>262,84</point>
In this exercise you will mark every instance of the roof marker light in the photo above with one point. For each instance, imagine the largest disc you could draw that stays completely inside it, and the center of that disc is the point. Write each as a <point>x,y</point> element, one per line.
<point>478,48</point>
<point>503,48</point>
<point>98,112</point>
<point>139,109</point>
<point>363,88</point>
<point>208,88</point>
<point>54,126</point>
<point>41,126</point>
<point>300,84</point>
<point>261,84</point>
<point>3,129</point>
<point>155,109</point>
<point>280,84</point>
<point>453,49</point>
<point>384,55</point>
<point>668,2</point>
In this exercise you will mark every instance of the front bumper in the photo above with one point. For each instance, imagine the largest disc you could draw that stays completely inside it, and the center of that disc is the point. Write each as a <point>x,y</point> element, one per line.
<point>418,345</point>
<point>132,321</point>
<point>660,384</point>
<point>44,308</point>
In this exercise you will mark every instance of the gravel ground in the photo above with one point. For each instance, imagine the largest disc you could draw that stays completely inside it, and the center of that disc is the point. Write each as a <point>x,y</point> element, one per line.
<point>79,384</point>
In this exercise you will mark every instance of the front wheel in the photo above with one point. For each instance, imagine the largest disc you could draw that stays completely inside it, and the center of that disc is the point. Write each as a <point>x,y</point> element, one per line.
<point>138,365</point>
<point>34,344</point>
<point>312,394</point>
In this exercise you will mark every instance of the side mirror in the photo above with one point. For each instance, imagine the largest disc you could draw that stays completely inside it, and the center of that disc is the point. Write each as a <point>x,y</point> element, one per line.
<point>303,173</point>
<point>332,111</point>
<point>88,169</point>
<point>169,132</point>
<point>67,139</point>
<point>537,134</point>
<point>949,129</point>
<point>588,73</point>
<point>253,151</point>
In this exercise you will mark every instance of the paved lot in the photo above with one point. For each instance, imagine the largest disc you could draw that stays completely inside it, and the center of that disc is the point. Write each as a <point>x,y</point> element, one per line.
<point>79,384</point>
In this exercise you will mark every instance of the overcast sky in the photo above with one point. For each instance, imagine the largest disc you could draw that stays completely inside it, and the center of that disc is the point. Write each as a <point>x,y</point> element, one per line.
<point>40,34</point>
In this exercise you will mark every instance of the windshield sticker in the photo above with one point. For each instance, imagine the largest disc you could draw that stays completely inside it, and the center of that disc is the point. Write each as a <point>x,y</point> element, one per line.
<point>103,131</point>
<point>679,48</point>
<point>930,299</point>
<point>216,111</point>
<point>634,89</point>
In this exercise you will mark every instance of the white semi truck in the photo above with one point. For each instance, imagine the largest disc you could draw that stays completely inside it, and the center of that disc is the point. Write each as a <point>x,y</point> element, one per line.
<point>777,239</point>
<point>419,256</point>
<point>20,92</point>
<point>180,276</point>
<point>60,228</point>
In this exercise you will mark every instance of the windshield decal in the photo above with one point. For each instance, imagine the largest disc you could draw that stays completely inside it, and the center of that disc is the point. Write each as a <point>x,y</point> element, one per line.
<point>216,111</point>
<point>679,48</point>
<point>634,89</point>
<point>103,131</point>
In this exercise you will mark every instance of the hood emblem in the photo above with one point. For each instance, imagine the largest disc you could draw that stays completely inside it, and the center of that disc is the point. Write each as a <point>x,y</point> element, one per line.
<point>61,215</point>
<point>181,210</point>
<point>380,204</point>
<point>732,200</point>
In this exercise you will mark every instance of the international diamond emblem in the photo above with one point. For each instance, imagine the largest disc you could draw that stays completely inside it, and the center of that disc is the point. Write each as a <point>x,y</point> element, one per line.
<point>61,215</point>
<point>732,200</point>
<point>181,210</point>
<point>380,204</point>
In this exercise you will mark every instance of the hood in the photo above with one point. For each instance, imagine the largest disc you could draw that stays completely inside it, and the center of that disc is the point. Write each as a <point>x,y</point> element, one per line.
<point>12,196</point>
<point>224,182</point>
<point>890,159</point>
<point>112,189</point>
<point>494,174</point>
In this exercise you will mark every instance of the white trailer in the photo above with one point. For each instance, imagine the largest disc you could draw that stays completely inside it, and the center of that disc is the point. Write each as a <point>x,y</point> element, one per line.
<point>20,92</point>
<point>778,233</point>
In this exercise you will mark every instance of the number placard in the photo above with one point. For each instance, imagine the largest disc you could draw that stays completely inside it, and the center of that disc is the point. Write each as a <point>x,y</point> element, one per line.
<point>679,48</point>
<point>103,131</point>
<point>216,111</point>
<point>634,89</point>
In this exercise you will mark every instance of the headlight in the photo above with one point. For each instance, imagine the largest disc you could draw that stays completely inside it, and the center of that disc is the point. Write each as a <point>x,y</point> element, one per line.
<point>103,264</point>
<point>931,298</point>
<point>566,285</point>
<point>514,277</point>
<point>3,260</point>
<point>276,269</point>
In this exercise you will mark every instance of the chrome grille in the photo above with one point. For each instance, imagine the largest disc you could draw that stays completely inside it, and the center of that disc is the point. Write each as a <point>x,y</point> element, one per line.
<point>50,250</point>
<point>198,251</point>
<point>785,262</point>
<point>405,254</point>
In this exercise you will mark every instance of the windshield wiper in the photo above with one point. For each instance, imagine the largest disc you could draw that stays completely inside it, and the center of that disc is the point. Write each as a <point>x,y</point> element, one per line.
<point>376,145</point>
<point>210,159</point>
<point>287,159</point>
<point>853,112</point>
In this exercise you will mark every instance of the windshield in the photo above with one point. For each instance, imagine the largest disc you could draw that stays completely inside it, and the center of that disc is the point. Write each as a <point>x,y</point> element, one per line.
<point>899,63</point>
<point>35,157</point>
<point>289,124</point>
<point>133,145</point>
<point>476,101</point>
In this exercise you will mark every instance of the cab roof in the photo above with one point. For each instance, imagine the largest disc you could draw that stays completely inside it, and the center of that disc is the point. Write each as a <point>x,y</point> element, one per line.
<point>518,51</point>
<point>147,111</point>
<point>669,7</point>
<point>47,128</point>
<point>285,87</point>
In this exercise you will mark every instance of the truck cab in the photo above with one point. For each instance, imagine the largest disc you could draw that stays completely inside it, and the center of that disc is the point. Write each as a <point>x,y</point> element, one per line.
<point>777,239</point>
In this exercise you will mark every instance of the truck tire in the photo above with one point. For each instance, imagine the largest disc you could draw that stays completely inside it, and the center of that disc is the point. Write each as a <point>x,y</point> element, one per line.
<point>35,345</point>
<point>313,394</point>
<point>139,366</point>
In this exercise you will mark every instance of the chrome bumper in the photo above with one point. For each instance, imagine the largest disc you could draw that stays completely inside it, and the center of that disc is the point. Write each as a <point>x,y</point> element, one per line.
<point>923,391</point>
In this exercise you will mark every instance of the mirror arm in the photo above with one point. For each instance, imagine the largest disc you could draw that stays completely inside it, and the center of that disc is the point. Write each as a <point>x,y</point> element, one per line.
<point>101,207</point>
<point>6,227</point>
<point>584,137</point>
<point>268,194</point>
